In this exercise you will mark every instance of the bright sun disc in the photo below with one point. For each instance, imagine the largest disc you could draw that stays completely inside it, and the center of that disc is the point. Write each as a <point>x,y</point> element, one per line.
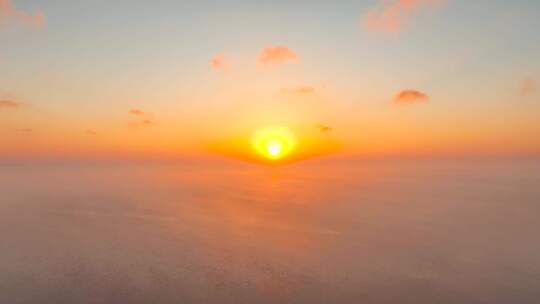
<point>274,142</point>
<point>274,148</point>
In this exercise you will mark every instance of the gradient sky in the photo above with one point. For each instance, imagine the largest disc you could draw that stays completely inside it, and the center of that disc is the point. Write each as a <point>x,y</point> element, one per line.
<point>99,78</point>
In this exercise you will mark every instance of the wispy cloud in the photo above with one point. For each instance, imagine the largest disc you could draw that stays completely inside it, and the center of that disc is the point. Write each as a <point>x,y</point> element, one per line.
<point>528,87</point>
<point>9,14</point>
<point>91,132</point>
<point>9,104</point>
<point>273,56</point>
<point>144,123</point>
<point>300,91</point>
<point>410,97</point>
<point>143,119</point>
<point>219,63</point>
<point>394,15</point>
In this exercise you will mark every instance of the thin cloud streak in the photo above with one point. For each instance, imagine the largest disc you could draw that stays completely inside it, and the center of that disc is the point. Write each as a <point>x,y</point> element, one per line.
<point>145,123</point>
<point>9,104</point>
<point>137,112</point>
<point>301,91</point>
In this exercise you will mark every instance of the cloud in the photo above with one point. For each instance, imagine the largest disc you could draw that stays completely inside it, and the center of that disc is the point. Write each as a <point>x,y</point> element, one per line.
<point>136,112</point>
<point>219,63</point>
<point>9,14</point>
<point>301,91</point>
<point>147,122</point>
<point>410,97</point>
<point>143,120</point>
<point>273,56</point>
<point>528,87</point>
<point>144,123</point>
<point>324,128</point>
<point>26,130</point>
<point>394,15</point>
<point>9,103</point>
<point>91,132</point>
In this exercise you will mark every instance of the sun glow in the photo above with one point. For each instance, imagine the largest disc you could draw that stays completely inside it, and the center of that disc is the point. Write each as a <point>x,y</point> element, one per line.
<point>274,143</point>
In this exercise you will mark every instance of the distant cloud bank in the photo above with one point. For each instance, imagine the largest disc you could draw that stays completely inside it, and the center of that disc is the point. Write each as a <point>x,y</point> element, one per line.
<point>410,97</point>
<point>9,14</point>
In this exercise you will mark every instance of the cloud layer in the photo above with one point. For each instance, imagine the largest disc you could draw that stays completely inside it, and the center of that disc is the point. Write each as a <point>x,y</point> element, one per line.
<point>410,97</point>
<point>394,15</point>
<point>277,55</point>
<point>10,14</point>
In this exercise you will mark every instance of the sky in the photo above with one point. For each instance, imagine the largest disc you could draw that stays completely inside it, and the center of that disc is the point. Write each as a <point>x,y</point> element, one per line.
<point>171,78</point>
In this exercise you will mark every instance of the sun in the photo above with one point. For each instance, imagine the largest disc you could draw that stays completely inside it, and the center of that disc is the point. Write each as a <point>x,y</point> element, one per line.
<point>274,148</point>
<point>274,143</point>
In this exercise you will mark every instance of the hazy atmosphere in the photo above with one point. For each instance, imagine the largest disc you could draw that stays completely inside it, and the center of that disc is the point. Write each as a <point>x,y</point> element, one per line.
<point>235,151</point>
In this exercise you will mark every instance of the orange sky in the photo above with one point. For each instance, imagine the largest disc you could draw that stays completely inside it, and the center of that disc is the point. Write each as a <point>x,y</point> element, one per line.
<point>377,78</point>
